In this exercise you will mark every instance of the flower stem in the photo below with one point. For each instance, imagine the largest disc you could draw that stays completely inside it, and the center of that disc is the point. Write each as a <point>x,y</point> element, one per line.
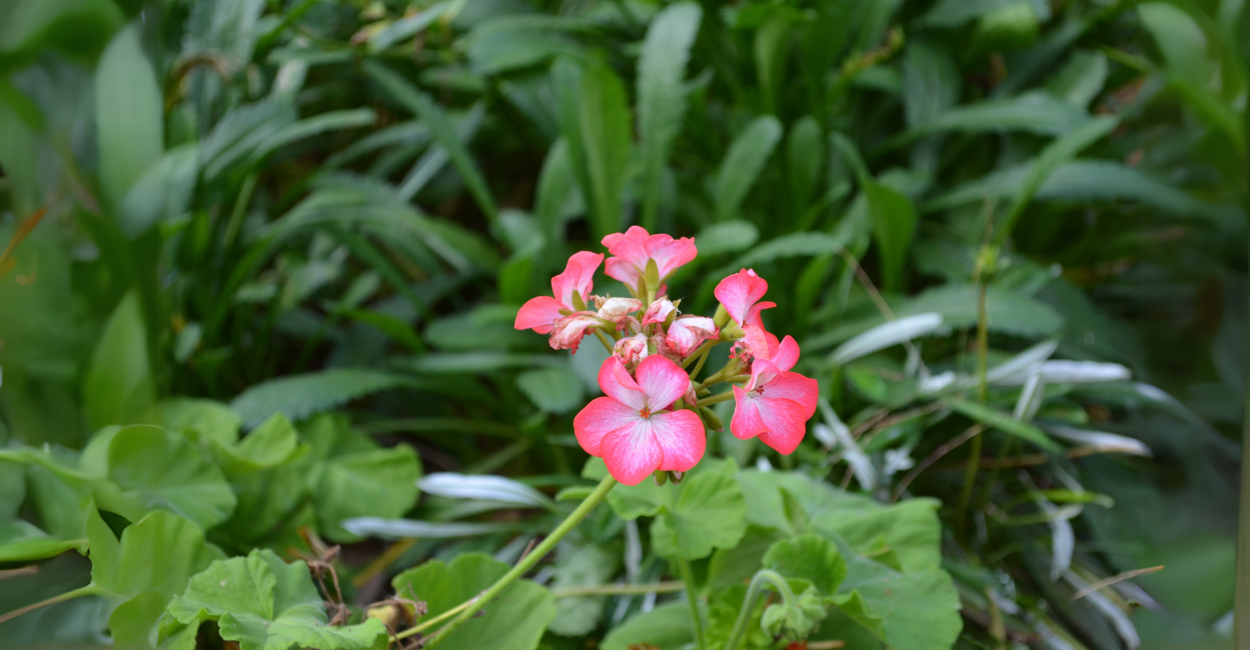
<point>666,587</point>
<point>748,604</point>
<point>604,339</point>
<point>88,590</point>
<point>974,453</point>
<point>699,353</point>
<point>525,563</point>
<point>716,399</point>
<point>687,576</point>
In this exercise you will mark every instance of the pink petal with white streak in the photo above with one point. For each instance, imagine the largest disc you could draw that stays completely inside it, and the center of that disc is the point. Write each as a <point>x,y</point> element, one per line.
<point>631,453</point>
<point>786,355</point>
<point>663,381</point>
<point>602,416</point>
<point>681,437</point>
<point>687,332</point>
<point>578,277</point>
<point>539,314</point>
<point>797,388</point>
<point>618,309</point>
<point>568,331</point>
<point>616,383</point>
<point>658,311</point>
<point>746,422</point>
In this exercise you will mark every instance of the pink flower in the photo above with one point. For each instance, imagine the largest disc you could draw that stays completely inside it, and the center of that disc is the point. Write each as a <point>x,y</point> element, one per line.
<point>618,309</point>
<point>775,404</point>
<point>540,314</point>
<point>630,429</point>
<point>658,311</point>
<point>568,331</point>
<point>687,332</point>
<point>631,349</point>
<point>740,294</point>
<point>636,246</point>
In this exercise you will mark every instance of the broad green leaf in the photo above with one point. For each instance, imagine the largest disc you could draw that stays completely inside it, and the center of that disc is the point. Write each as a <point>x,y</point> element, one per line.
<point>514,621</point>
<point>22,541</point>
<point>724,607</point>
<point>554,390</point>
<point>587,566</point>
<point>301,396</point>
<point>1081,78</point>
<point>893,226</point>
<point>406,27</point>
<point>1180,39</point>
<point>161,470</point>
<point>666,627</point>
<point>736,565</point>
<point>129,114</point>
<point>631,501</point>
<point>771,46</point>
<point>1035,112</point>
<point>661,98</point>
<point>309,127</point>
<point>1013,26</point>
<point>119,387</point>
<point>1003,421</point>
<point>265,446</point>
<point>443,131</point>
<point>910,528</point>
<point>727,237</point>
<point>557,188</point>
<point>952,13</point>
<point>201,420</point>
<point>918,611</point>
<point>743,163</point>
<point>162,192</point>
<point>76,28</point>
<point>805,154</point>
<point>810,557</point>
<point>503,44</point>
<point>265,604</point>
<point>356,478</point>
<point>595,121</point>
<point>149,566</point>
<point>708,513</point>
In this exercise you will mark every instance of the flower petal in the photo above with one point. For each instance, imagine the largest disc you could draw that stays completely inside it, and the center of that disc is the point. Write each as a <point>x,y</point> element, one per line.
<point>663,381</point>
<point>670,254</point>
<point>658,311</point>
<point>567,332</point>
<point>578,277</point>
<point>762,372</point>
<point>539,314</point>
<point>617,309</point>
<point>688,332</point>
<point>746,422</point>
<point>793,386</point>
<point>631,452</point>
<point>785,419</point>
<point>739,292</point>
<point>681,437</point>
<point>602,416</point>
<point>786,354</point>
<point>616,383</point>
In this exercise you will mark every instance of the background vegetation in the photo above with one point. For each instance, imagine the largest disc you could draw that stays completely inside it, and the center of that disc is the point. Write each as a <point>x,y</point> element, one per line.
<point>222,210</point>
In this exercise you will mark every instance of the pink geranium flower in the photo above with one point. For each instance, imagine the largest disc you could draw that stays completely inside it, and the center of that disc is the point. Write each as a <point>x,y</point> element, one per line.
<point>630,429</point>
<point>687,332</point>
<point>740,293</point>
<point>633,248</point>
<point>568,331</point>
<point>658,311</point>
<point>540,314</point>
<point>775,404</point>
<point>631,349</point>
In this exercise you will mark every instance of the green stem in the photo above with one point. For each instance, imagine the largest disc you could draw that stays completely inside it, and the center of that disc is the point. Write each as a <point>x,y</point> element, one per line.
<point>716,399</point>
<point>89,590</point>
<point>604,339</point>
<point>687,576</point>
<point>472,607</point>
<point>425,625</point>
<point>240,208</point>
<point>748,604</point>
<point>974,452</point>
<point>699,352</point>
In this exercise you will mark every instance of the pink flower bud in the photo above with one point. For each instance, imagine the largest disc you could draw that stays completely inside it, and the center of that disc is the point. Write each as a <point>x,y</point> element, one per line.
<point>687,332</point>
<point>658,311</point>
<point>618,309</point>
<point>569,330</point>
<point>632,349</point>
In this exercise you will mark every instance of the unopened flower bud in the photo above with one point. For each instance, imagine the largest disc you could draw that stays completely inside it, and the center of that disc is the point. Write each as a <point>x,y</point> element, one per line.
<point>721,317</point>
<point>568,331</point>
<point>687,332</point>
<point>631,349</point>
<point>618,309</point>
<point>658,311</point>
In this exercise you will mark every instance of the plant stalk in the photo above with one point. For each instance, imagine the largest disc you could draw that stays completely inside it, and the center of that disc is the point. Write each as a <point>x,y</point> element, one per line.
<point>666,587</point>
<point>472,607</point>
<point>974,451</point>
<point>748,604</point>
<point>88,590</point>
<point>716,399</point>
<point>687,576</point>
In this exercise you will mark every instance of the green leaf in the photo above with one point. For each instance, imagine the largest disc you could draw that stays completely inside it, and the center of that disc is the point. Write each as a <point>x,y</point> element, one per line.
<point>357,478</point>
<point>1034,112</point>
<point>163,192</point>
<point>502,44</point>
<point>554,390</point>
<point>666,627</point>
<point>587,566</point>
<point>918,611</point>
<point>514,621</point>
<point>1003,421</point>
<point>77,28</point>
<point>631,501</point>
<point>810,557</point>
<point>594,118</point>
<point>156,469</point>
<point>443,131</point>
<point>265,446</point>
<point>119,387</point>
<point>805,154</point>
<point>708,513</point>
<point>736,565</point>
<point>894,225</point>
<point>405,28</point>
<point>743,163</point>
<point>129,114</point>
<point>22,541</point>
<point>265,604</point>
<point>1081,78</point>
<point>661,98</point>
<point>952,13</point>
<point>301,396</point>
<point>557,189</point>
<point>1179,38</point>
<point>201,420</point>
<point>911,530</point>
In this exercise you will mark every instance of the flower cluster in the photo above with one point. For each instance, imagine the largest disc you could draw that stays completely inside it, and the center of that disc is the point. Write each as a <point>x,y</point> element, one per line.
<point>652,416</point>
